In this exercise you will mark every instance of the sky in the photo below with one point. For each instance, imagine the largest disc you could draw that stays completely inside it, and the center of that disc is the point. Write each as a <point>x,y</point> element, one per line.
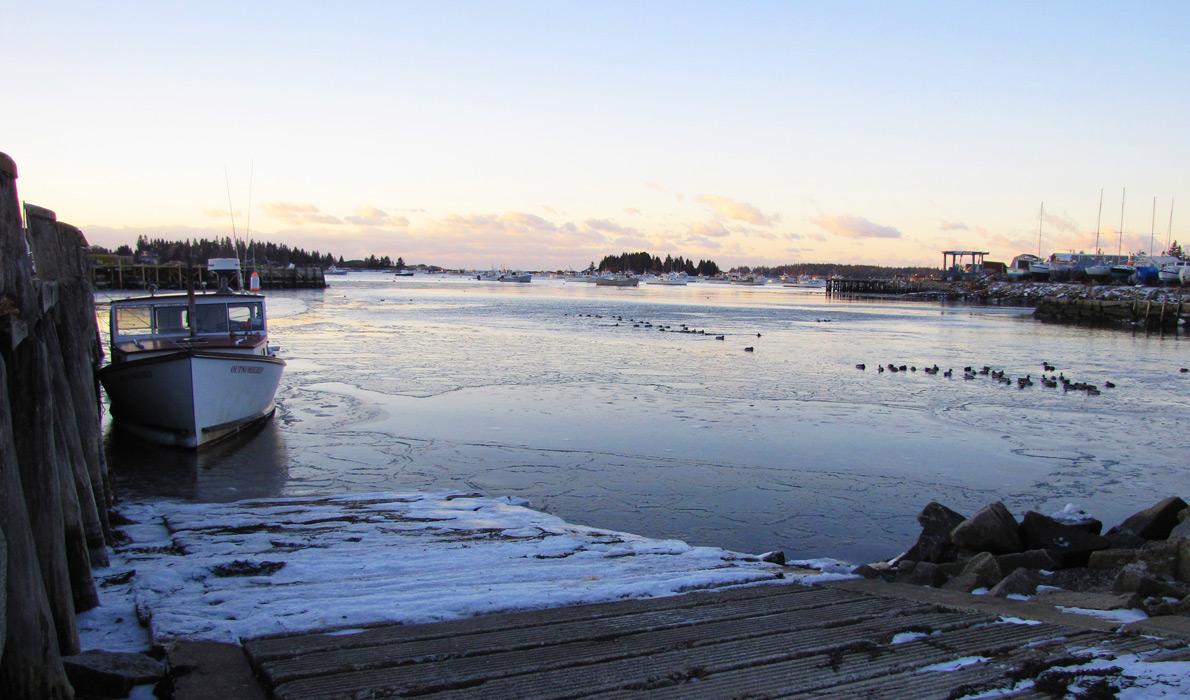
<point>545,135</point>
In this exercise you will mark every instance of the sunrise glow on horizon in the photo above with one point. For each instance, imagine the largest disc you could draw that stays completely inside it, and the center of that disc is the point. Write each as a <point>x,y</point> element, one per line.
<point>546,135</point>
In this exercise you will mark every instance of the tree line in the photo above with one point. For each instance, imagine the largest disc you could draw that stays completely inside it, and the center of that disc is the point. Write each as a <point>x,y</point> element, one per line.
<point>829,269</point>
<point>199,250</point>
<point>642,262</point>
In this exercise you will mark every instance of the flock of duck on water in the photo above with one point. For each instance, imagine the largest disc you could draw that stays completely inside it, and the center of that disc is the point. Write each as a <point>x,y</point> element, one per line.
<point>1052,381</point>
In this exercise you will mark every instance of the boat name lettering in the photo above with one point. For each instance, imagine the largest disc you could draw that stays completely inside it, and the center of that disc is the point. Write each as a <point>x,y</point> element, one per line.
<point>241,369</point>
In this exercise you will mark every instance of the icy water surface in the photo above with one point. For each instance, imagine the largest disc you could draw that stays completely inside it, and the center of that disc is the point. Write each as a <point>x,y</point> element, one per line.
<point>434,383</point>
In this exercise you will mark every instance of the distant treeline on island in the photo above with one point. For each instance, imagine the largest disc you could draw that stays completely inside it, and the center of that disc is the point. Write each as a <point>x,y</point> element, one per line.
<point>159,250</point>
<point>642,262</point>
<point>860,272</point>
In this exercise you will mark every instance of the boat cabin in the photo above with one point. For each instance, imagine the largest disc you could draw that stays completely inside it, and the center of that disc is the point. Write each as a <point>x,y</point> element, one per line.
<point>163,323</point>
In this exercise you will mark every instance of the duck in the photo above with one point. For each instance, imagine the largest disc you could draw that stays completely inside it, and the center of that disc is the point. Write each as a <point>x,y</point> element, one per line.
<point>948,373</point>
<point>718,337</point>
<point>749,349</point>
<point>1109,385</point>
<point>861,366</point>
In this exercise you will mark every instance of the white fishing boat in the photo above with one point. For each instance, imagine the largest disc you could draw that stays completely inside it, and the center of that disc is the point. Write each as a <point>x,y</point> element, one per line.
<point>805,282</point>
<point>673,279</point>
<point>188,370</point>
<point>616,279</point>
<point>332,270</point>
<point>751,280</point>
<point>518,277</point>
<point>717,280</point>
<point>1028,266</point>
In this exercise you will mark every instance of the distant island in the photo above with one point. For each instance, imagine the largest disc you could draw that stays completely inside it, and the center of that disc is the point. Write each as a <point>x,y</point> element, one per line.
<point>642,262</point>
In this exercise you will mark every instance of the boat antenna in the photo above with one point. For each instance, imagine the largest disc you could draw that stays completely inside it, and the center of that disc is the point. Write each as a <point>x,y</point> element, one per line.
<point>1120,246</point>
<point>235,240</point>
<point>1039,219</point>
<point>1098,221</point>
<point>190,309</point>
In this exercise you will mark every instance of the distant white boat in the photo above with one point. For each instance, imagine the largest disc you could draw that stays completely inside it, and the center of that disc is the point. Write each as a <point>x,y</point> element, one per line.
<point>518,277</point>
<point>1175,272</point>
<point>751,280</point>
<point>616,280</point>
<point>1028,266</point>
<point>717,280</point>
<point>673,279</point>
<point>332,270</point>
<point>806,282</point>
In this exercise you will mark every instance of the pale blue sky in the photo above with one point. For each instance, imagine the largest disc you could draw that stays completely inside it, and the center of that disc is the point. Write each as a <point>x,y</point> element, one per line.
<point>546,134</point>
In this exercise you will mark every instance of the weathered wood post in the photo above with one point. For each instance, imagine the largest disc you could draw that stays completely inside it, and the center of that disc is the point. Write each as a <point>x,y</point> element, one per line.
<point>31,665</point>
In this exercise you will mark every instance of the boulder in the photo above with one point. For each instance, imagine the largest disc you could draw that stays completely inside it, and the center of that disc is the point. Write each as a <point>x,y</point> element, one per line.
<point>1184,560</point>
<point>1036,559</point>
<point>1154,522</point>
<point>1160,558</point>
<point>1019,582</point>
<point>1073,544</point>
<point>981,572</point>
<point>1111,558</point>
<point>774,557</point>
<point>1181,530</point>
<point>111,673</point>
<point>934,545</point>
<point>1134,578</point>
<point>869,571</point>
<point>992,529</point>
<point>921,573</point>
<point>1123,540</point>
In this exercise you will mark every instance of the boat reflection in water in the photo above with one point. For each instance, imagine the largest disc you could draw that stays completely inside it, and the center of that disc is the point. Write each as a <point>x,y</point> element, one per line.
<point>252,464</point>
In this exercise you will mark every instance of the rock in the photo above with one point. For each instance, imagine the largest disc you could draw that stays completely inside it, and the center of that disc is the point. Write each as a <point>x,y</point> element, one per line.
<point>1184,560</point>
<point>1181,530</point>
<point>922,573</point>
<point>3,590</point>
<point>776,557</point>
<point>934,545</point>
<point>991,529</point>
<point>1135,579</point>
<point>869,571</point>
<point>1090,601</point>
<point>1111,558</point>
<point>980,572</point>
<point>1080,578</point>
<point>1019,582</point>
<point>111,673</point>
<point>1123,540</point>
<point>1160,558</point>
<point>1154,522</point>
<point>1073,544</point>
<point>1036,559</point>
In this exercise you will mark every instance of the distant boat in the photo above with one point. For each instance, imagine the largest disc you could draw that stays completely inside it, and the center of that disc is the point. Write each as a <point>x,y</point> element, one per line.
<point>751,280</point>
<point>673,279</point>
<point>332,270</point>
<point>806,282</point>
<point>518,277</point>
<point>616,280</point>
<point>1028,266</point>
<point>403,273</point>
<point>717,280</point>
<point>1175,272</point>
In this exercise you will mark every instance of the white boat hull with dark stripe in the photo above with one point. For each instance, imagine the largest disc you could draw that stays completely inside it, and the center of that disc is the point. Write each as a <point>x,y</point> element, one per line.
<point>192,397</point>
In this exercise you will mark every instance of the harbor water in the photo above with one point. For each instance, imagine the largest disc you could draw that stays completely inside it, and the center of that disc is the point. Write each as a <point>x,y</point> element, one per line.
<point>559,393</point>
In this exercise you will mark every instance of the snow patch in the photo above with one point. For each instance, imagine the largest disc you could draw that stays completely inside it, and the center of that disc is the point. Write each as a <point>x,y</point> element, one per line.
<point>1123,616</point>
<point>1005,620</point>
<point>955,664</point>
<point>231,571</point>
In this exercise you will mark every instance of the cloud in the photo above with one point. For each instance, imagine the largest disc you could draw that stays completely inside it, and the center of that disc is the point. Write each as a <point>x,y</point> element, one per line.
<point>954,226</point>
<point>368,215</point>
<point>218,213</point>
<point>1061,222</point>
<point>711,229</point>
<point>632,210</point>
<point>735,210</point>
<point>609,226</point>
<point>697,240</point>
<point>299,214</point>
<point>855,227</point>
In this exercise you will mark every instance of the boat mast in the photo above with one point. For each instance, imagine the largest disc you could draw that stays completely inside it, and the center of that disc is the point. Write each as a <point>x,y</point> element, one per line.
<point>1169,231</point>
<point>190,309</point>
<point>1153,225</point>
<point>234,238</point>
<point>1120,247</point>
<point>1098,221</point>
<point>1040,217</point>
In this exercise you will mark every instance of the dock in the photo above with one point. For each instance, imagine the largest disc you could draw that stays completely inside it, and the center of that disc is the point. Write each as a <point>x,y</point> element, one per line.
<point>112,272</point>
<point>852,638</point>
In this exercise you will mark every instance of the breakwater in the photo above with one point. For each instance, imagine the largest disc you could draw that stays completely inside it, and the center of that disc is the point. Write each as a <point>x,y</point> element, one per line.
<point>54,487</point>
<point>1109,305</point>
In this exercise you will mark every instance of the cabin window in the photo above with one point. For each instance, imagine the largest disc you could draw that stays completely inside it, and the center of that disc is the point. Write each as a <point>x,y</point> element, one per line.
<point>247,316</point>
<point>211,318</point>
<point>169,320</point>
<point>134,320</point>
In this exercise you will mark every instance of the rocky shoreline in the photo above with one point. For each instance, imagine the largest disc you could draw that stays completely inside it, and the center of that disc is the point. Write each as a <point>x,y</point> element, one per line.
<point>1138,568</point>
<point>1004,293</point>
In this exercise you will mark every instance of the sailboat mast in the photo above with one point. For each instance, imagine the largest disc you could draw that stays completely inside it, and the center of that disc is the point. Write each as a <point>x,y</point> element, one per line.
<point>1098,220</point>
<point>1153,226</point>
<point>1040,218</point>
<point>1120,247</point>
<point>1169,231</point>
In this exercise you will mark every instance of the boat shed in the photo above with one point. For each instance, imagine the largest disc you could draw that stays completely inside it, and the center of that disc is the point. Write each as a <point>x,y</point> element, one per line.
<point>953,267</point>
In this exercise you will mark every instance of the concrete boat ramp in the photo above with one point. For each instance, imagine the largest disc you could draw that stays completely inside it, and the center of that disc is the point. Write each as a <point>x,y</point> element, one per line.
<point>848,638</point>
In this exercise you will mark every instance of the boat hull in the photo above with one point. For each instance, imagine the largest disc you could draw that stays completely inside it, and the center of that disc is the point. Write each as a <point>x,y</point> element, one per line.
<point>630,282</point>
<point>192,398</point>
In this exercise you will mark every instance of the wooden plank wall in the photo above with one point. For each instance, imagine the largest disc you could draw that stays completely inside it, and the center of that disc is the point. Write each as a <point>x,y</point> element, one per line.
<point>54,487</point>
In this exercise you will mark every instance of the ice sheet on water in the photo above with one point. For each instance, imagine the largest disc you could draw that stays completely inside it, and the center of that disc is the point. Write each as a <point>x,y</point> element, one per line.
<point>239,570</point>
